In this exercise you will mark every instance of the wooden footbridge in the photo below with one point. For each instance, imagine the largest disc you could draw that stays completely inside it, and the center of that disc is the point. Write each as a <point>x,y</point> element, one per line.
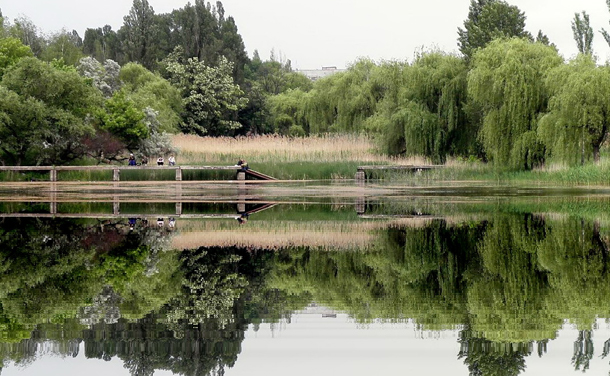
<point>116,170</point>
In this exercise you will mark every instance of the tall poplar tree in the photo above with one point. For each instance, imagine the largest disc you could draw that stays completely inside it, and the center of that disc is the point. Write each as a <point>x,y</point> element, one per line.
<point>138,34</point>
<point>583,33</point>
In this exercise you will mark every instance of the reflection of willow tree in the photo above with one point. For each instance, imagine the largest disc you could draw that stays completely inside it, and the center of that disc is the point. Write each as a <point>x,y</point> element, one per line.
<point>576,254</point>
<point>505,295</point>
<point>411,272</point>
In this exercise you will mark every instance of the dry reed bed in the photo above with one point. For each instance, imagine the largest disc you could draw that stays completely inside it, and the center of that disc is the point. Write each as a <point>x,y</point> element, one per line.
<point>272,148</point>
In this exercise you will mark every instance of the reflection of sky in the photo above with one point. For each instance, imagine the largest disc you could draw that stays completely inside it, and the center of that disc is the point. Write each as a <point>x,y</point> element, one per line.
<point>312,345</point>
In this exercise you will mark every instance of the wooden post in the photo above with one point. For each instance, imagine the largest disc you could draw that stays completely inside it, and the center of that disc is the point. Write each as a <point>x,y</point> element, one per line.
<point>241,175</point>
<point>53,174</point>
<point>116,173</point>
<point>179,174</point>
<point>360,176</point>
<point>116,207</point>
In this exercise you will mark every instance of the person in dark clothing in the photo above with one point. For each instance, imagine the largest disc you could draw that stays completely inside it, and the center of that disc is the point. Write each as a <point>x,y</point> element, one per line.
<point>243,164</point>
<point>132,160</point>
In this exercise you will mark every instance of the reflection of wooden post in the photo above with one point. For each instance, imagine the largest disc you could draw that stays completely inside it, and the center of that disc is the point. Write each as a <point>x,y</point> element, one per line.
<point>179,174</point>
<point>116,173</point>
<point>178,196</point>
<point>53,204</point>
<point>360,205</point>
<point>241,175</point>
<point>53,174</point>
<point>241,200</point>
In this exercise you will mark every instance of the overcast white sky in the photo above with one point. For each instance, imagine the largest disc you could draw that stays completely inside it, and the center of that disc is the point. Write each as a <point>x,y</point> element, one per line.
<point>318,33</point>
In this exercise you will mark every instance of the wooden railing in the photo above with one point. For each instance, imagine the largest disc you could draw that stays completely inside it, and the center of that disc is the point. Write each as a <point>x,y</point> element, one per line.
<point>116,170</point>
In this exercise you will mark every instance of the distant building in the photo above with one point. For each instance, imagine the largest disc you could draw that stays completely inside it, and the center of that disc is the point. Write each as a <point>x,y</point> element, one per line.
<point>314,74</point>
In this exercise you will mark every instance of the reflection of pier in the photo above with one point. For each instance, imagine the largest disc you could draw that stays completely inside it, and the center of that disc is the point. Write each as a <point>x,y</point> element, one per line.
<point>364,172</point>
<point>116,170</point>
<point>116,206</point>
<point>315,309</point>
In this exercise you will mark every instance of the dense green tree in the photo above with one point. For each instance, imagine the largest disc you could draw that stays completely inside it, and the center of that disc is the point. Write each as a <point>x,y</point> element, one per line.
<point>210,97</point>
<point>149,90</point>
<point>44,113</point>
<point>583,33</point>
<point>507,83</point>
<point>488,20</point>
<point>123,119</point>
<point>579,112</point>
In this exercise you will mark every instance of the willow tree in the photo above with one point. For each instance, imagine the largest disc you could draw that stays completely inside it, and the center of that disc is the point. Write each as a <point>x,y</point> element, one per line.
<point>507,82</point>
<point>343,102</point>
<point>429,112</point>
<point>579,116</point>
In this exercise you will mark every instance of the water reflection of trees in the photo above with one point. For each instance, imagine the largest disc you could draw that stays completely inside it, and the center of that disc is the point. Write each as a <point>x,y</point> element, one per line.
<point>509,281</point>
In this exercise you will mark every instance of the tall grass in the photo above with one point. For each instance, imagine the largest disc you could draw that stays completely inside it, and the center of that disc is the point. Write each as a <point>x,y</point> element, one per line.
<point>289,158</point>
<point>272,148</point>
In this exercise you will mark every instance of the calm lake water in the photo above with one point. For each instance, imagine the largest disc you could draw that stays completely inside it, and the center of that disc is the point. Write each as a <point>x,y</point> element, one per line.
<point>302,279</point>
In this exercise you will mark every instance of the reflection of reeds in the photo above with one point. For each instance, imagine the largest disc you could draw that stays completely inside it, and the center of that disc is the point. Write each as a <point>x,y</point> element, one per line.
<point>277,235</point>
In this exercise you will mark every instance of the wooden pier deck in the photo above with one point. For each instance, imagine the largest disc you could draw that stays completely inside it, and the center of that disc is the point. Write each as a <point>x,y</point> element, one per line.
<point>116,170</point>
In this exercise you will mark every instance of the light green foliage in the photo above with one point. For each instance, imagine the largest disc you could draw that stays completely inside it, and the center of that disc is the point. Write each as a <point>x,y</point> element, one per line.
<point>150,90</point>
<point>430,107</point>
<point>507,83</point>
<point>11,50</point>
<point>488,20</point>
<point>579,111</point>
<point>122,118</point>
<point>583,33</point>
<point>45,117</point>
<point>210,97</point>
<point>287,109</point>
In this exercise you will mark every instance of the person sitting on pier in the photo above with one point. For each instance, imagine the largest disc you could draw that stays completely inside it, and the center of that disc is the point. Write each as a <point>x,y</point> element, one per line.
<point>132,160</point>
<point>243,164</point>
<point>171,160</point>
<point>160,161</point>
<point>144,161</point>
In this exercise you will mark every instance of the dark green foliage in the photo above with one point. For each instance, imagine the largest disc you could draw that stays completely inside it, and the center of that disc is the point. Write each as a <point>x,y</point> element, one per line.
<point>488,20</point>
